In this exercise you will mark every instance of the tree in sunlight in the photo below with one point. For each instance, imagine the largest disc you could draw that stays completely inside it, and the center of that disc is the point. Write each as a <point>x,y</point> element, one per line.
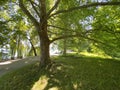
<point>45,14</point>
<point>41,11</point>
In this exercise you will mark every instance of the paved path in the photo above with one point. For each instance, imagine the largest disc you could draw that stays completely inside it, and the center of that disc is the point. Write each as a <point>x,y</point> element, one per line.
<point>11,65</point>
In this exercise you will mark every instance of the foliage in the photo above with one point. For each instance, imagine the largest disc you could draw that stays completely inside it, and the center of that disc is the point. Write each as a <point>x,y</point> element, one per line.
<point>4,31</point>
<point>106,28</point>
<point>14,26</point>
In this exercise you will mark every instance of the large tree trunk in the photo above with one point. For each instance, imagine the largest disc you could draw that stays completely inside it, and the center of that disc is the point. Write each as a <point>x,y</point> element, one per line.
<point>44,47</point>
<point>44,52</point>
<point>44,40</point>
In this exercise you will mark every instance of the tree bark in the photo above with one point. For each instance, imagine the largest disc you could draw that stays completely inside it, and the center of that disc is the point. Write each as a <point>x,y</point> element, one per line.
<point>44,46</point>
<point>64,47</point>
<point>34,50</point>
<point>44,52</point>
<point>44,39</point>
<point>18,47</point>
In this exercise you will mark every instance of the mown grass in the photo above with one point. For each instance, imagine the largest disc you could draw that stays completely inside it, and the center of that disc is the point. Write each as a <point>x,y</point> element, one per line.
<point>68,73</point>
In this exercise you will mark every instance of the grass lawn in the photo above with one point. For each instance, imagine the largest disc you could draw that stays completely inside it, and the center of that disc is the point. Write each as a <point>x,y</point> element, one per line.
<point>68,73</point>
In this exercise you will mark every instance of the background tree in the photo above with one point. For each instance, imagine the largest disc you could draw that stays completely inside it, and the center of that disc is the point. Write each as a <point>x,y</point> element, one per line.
<point>107,29</point>
<point>13,29</point>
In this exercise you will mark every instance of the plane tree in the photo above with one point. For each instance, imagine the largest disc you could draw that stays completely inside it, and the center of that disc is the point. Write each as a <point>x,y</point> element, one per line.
<point>41,11</point>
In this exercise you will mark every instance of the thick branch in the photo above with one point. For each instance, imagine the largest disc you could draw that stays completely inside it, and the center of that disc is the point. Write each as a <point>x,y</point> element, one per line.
<point>35,8</point>
<point>79,35</point>
<point>85,6</point>
<point>68,36</point>
<point>43,10</point>
<point>24,9</point>
<point>61,28</point>
<point>53,8</point>
<point>35,4</point>
<point>57,27</point>
<point>52,32</point>
<point>62,37</point>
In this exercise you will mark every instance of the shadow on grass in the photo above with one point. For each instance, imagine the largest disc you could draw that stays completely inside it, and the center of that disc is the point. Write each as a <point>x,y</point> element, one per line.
<point>56,78</point>
<point>68,73</point>
<point>81,73</point>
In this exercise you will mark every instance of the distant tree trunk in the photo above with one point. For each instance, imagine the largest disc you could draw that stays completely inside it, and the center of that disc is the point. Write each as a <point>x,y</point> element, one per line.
<point>19,51</point>
<point>34,50</point>
<point>12,53</point>
<point>64,47</point>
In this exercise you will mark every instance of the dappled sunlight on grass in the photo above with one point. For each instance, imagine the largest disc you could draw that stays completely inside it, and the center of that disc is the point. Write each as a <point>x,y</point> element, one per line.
<point>41,83</point>
<point>95,55</point>
<point>54,88</point>
<point>83,73</point>
<point>77,85</point>
<point>67,73</point>
<point>59,68</point>
<point>54,78</point>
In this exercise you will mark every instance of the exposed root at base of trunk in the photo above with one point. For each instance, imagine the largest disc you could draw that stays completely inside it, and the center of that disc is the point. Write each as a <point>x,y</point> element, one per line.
<point>52,66</point>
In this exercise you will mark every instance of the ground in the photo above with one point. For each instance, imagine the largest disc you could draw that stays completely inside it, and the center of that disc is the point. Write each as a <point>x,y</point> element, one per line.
<point>11,65</point>
<point>72,72</point>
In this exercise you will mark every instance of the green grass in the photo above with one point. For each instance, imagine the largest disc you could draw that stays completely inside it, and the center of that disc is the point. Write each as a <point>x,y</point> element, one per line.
<point>68,73</point>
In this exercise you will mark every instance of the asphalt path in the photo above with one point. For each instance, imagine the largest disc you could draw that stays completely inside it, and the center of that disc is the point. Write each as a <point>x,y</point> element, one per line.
<point>11,65</point>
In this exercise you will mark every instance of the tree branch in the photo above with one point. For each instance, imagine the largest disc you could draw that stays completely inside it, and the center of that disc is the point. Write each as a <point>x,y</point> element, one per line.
<point>52,32</point>
<point>57,27</point>
<point>79,35</point>
<point>69,36</point>
<point>34,8</point>
<point>62,37</point>
<point>85,6</point>
<point>24,9</point>
<point>33,47</point>
<point>53,8</point>
<point>61,28</point>
<point>35,4</point>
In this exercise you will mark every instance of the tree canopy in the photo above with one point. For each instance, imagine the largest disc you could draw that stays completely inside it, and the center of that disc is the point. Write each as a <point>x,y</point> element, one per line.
<point>82,22</point>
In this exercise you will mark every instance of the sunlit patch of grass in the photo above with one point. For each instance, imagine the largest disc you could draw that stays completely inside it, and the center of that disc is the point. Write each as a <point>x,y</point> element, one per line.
<point>41,83</point>
<point>54,88</point>
<point>67,73</point>
<point>95,55</point>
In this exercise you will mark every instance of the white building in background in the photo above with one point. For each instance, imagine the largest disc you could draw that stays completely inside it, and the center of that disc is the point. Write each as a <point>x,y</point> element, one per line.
<point>5,53</point>
<point>54,49</point>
